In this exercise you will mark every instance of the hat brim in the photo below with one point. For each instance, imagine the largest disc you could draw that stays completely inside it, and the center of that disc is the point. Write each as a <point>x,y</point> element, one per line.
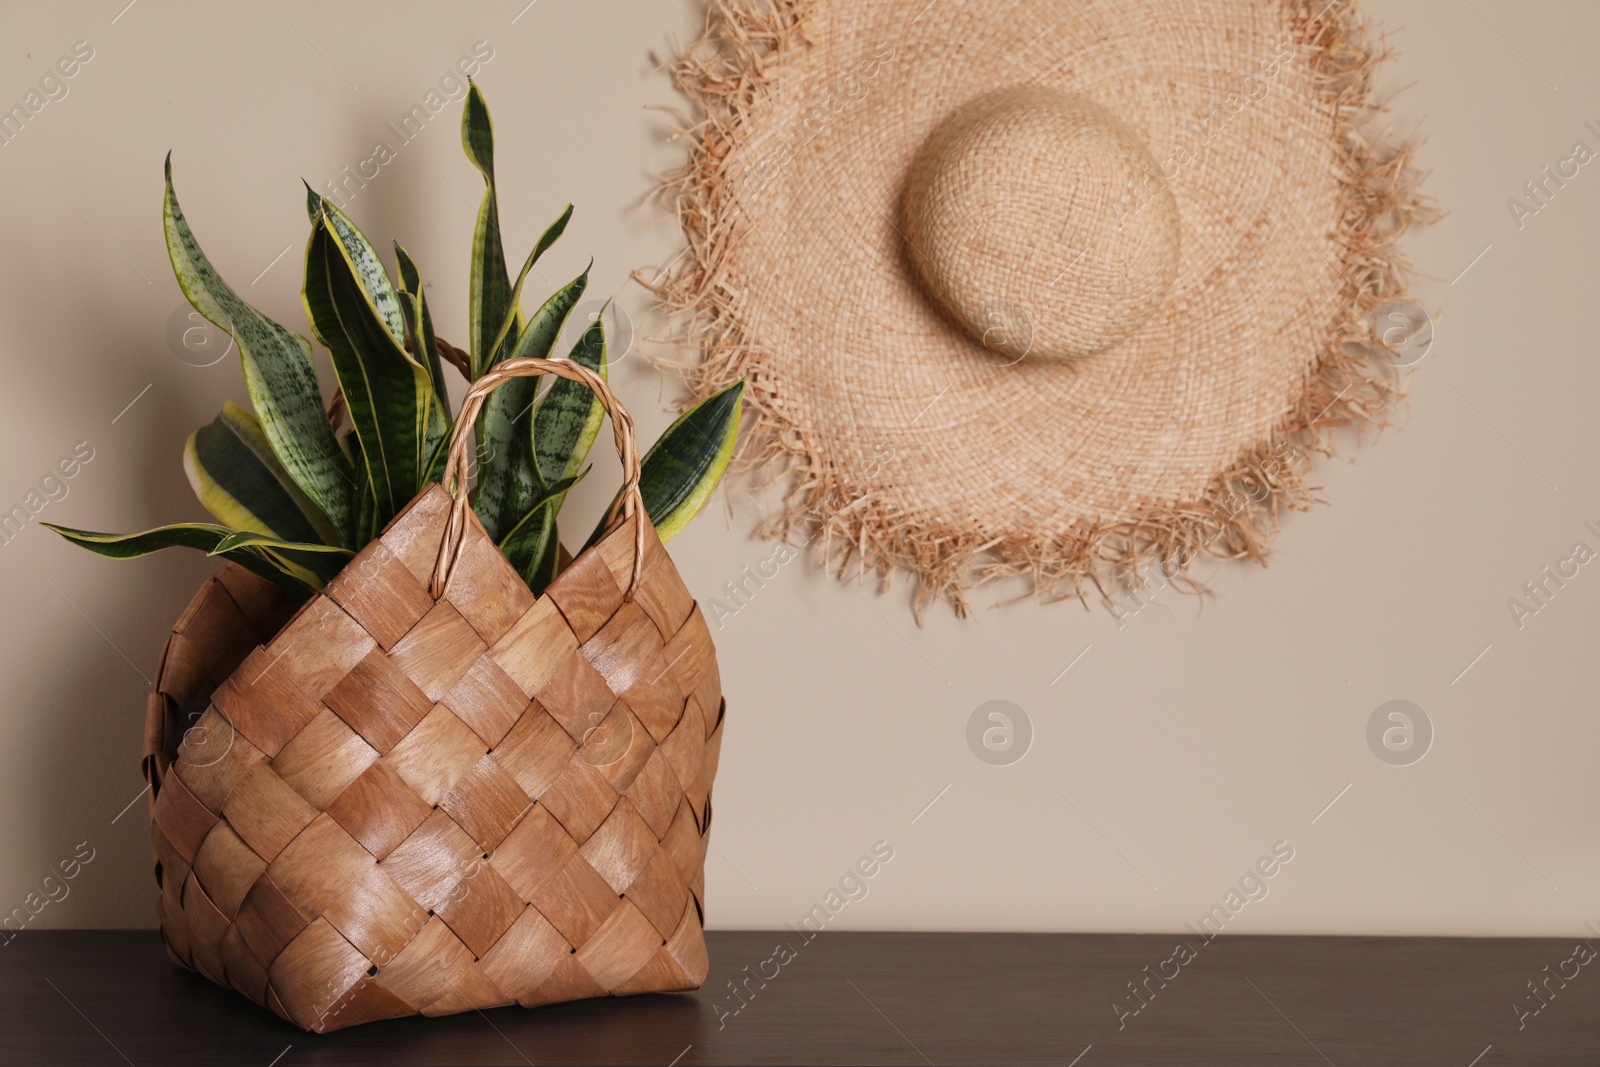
<point>910,448</point>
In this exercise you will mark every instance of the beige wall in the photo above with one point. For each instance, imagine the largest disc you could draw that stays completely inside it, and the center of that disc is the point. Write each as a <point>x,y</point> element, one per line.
<point>1176,751</point>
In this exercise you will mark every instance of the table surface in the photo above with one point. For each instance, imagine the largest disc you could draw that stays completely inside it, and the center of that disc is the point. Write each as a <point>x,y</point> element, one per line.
<point>112,997</point>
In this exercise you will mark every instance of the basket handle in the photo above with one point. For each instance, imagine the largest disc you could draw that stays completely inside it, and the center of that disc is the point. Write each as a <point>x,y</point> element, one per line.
<point>629,504</point>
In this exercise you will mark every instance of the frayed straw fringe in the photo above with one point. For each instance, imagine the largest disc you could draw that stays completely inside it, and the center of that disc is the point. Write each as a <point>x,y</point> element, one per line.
<point>854,532</point>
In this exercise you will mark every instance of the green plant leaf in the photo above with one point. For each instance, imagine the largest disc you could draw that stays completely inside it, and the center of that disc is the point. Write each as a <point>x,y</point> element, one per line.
<point>568,416</point>
<point>197,535</point>
<point>532,545</point>
<point>501,411</point>
<point>538,338</point>
<point>433,465</point>
<point>683,467</point>
<point>315,565</point>
<point>389,394</point>
<point>424,348</point>
<point>368,269</point>
<point>490,292</point>
<point>509,484</point>
<point>514,322</point>
<point>367,518</point>
<point>239,480</point>
<point>419,327</point>
<point>277,372</point>
<point>201,535</point>
<point>508,479</point>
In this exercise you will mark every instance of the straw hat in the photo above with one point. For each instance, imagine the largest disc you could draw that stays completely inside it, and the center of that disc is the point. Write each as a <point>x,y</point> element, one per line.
<point>1050,288</point>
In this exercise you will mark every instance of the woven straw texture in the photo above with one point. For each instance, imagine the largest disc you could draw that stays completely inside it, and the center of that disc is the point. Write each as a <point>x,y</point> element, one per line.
<point>1182,214</point>
<point>396,804</point>
<point>993,243</point>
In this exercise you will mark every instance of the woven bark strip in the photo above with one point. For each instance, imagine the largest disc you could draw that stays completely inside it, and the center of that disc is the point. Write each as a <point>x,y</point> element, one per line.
<point>395,803</point>
<point>811,110</point>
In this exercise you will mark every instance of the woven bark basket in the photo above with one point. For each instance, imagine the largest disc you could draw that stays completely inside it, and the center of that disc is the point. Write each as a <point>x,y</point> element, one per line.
<point>426,791</point>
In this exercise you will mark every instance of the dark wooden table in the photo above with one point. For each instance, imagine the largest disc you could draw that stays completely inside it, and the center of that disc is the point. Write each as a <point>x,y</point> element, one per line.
<point>88,997</point>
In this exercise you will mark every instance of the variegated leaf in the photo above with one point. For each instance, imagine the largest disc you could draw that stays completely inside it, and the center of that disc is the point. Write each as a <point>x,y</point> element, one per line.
<point>388,393</point>
<point>424,348</point>
<point>490,292</point>
<point>368,269</point>
<point>237,478</point>
<point>532,545</point>
<point>509,483</point>
<point>277,371</point>
<point>420,333</point>
<point>567,417</point>
<point>683,467</point>
<point>197,535</point>
<point>315,565</point>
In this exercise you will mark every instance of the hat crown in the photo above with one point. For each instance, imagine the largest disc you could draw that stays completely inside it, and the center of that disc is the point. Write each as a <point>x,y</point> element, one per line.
<point>1041,222</point>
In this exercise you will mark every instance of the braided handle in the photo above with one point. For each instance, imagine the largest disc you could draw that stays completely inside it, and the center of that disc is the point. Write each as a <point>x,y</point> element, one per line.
<point>629,504</point>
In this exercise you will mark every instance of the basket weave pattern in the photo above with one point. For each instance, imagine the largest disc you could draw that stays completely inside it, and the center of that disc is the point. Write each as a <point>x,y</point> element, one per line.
<point>400,805</point>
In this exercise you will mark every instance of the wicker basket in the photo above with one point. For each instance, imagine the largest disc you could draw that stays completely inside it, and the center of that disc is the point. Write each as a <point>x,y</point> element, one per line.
<point>428,791</point>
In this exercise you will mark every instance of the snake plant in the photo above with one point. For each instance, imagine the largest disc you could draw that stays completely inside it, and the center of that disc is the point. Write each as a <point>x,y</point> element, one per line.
<point>298,485</point>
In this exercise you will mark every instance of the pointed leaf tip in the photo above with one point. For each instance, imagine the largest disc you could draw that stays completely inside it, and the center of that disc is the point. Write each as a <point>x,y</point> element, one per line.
<point>685,464</point>
<point>278,372</point>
